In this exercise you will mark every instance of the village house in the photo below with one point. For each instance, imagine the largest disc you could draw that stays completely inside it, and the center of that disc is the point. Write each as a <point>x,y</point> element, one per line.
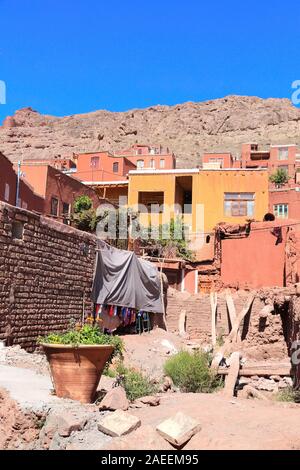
<point>28,198</point>
<point>284,198</point>
<point>103,166</point>
<point>218,161</point>
<point>205,197</point>
<point>56,190</point>
<point>149,156</point>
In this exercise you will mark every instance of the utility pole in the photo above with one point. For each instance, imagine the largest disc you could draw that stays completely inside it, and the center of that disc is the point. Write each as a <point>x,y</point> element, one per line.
<point>18,183</point>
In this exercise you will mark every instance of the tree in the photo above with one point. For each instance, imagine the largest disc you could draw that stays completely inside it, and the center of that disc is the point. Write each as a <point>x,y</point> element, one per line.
<point>280,176</point>
<point>170,241</point>
<point>84,217</point>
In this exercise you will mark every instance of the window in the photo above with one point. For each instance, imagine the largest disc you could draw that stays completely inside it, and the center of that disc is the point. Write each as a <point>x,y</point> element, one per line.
<point>149,199</point>
<point>54,206</point>
<point>152,163</point>
<point>116,167</point>
<point>162,163</point>
<point>17,230</point>
<point>139,152</point>
<point>140,164</point>
<point>281,211</point>
<point>66,209</point>
<point>283,153</point>
<point>7,191</point>
<point>95,162</point>
<point>239,204</point>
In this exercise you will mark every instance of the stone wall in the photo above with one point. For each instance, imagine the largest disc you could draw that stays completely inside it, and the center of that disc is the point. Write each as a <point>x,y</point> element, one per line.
<point>45,275</point>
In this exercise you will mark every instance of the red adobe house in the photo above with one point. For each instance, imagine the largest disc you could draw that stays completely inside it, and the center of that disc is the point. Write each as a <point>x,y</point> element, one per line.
<point>57,190</point>
<point>101,166</point>
<point>219,160</point>
<point>149,156</point>
<point>284,200</point>
<point>28,199</point>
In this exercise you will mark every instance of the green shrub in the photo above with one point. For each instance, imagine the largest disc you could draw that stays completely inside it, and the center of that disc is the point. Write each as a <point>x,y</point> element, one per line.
<point>87,334</point>
<point>280,176</point>
<point>110,373</point>
<point>136,385</point>
<point>191,372</point>
<point>82,203</point>
<point>288,394</point>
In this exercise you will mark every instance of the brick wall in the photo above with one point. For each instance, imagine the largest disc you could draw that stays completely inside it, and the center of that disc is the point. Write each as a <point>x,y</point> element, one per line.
<point>44,277</point>
<point>261,340</point>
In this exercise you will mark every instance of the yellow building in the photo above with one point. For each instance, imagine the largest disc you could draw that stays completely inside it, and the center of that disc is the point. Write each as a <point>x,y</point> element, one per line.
<point>205,197</point>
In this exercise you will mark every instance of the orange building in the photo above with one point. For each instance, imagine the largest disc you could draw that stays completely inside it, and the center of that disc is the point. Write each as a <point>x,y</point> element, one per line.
<point>28,199</point>
<point>284,199</point>
<point>92,167</point>
<point>219,161</point>
<point>104,166</point>
<point>57,190</point>
<point>149,156</point>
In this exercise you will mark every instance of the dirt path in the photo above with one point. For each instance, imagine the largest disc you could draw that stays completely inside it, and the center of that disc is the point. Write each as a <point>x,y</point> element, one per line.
<point>231,424</point>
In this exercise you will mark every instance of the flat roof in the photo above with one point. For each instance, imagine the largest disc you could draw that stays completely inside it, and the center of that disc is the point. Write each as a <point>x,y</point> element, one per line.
<point>107,183</point>
<point>284,145</point>
<point>189,171</point>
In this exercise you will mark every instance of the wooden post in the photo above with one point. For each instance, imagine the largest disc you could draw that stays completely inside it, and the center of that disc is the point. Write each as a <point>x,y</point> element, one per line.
<point>213,305</point>
<point>182,323</point>
<point>233,373</point>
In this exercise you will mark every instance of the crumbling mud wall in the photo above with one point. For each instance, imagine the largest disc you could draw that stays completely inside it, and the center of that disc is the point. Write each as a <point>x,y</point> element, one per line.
<point>265,336</point>
<point>46,271</point>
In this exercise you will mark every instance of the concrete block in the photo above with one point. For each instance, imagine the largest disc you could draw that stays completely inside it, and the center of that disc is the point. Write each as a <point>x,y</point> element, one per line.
<point>119,423</point>
<point>178,429</point>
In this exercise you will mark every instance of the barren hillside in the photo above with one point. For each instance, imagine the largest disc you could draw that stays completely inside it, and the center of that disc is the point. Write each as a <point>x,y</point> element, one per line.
<point>188,129</point>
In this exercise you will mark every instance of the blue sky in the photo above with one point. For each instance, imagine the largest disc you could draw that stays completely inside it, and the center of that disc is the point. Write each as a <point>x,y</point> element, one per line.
<point>65,57</point>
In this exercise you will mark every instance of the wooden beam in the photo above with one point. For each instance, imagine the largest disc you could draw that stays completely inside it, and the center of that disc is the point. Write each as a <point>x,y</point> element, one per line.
<point>213,306</point>
<point>232,376</point>
<point>231,309</point>
<point>261,369</point>
<point>232,337</point>
<point>182,323</point>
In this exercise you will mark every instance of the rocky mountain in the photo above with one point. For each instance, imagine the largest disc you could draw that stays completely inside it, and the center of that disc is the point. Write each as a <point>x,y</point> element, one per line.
<point>188,129</point>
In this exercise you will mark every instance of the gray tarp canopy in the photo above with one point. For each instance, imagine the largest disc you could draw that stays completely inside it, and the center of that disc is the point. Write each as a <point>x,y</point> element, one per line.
<point>123,279</point>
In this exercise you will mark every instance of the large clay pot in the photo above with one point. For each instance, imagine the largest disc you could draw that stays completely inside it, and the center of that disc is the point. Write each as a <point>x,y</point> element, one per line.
<point>76,371</point>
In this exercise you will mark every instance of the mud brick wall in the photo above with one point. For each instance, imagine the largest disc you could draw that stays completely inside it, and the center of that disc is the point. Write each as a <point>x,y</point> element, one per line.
<point>45,277</point>
<point>261,338</point>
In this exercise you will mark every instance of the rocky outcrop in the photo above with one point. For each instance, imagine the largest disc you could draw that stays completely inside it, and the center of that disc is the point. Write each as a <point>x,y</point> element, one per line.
<point>188,129</point>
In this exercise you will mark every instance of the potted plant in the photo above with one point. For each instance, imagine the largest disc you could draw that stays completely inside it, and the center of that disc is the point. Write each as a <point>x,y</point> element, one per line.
<point>77,359</point>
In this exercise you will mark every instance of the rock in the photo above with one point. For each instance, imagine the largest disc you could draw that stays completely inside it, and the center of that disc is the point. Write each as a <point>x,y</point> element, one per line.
<point>61,423</point>
<point>150,400</point>
<point>282,384</point>
<point>167,383</point>
<point>145,438</point>
<point>251,392</point>
<point>137,404</point>
<point>106,383</point>
<point>193,128</point>
<point>288,381</point>
<point>119,423</point>
<point>277,378</point>
<point>114,400</point>
<point>70,422</point>
<point>244,380</point>
<point>178,429</point>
